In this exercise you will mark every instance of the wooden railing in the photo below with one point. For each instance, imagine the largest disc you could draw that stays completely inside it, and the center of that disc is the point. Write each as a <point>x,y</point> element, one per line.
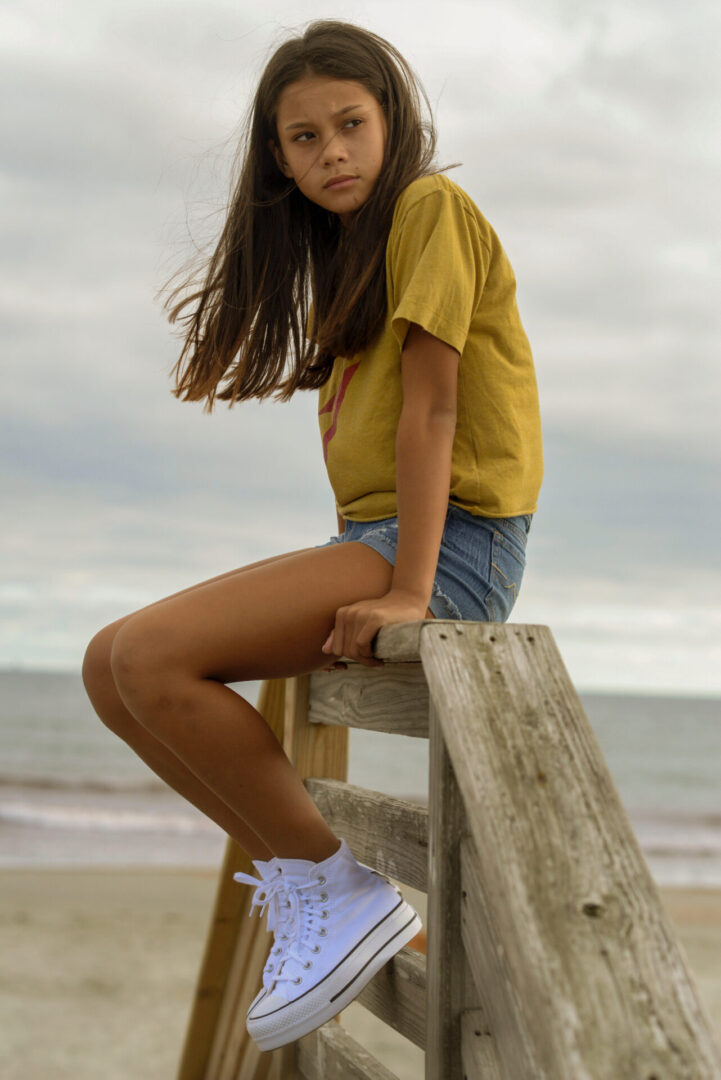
<point>549,953</point>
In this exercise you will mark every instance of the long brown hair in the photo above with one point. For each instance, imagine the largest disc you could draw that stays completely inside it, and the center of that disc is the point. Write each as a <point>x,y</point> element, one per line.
<point>278,250</point>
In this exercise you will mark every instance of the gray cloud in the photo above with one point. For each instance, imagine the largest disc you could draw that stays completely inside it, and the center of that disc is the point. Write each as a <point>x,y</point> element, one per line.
<point>588,138</point>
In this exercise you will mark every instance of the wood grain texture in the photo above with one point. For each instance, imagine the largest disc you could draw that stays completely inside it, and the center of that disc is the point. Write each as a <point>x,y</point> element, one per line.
<point>397,995</point>
<point>497,995</point>
<point>386,833</point>
<point>393,698</point>
<point>314,749</point>
<point>478,1049</point>
<point>401,642</point>
<point>451,993</point>
<point>330,1053</point>
<point>600,982</point>
<point>445,960</point>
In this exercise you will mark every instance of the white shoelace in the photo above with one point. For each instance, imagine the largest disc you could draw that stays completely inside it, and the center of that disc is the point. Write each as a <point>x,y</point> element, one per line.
<point>266,892</point>
<point>269,892</point>
<point>304,919</point>
<point>279,893</point>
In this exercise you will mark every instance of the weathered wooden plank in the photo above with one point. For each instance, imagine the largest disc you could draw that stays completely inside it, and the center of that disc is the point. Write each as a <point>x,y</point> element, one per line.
<point>386,833</point>
<point>397,995</point>
<point>446,965</point>
<point>601,982</point>
<point>478,1049</point>
<point>330,1053</point>
<point>314,749</point>
<point>496,993</point>
<point>400,643</point>
<point>393,698</point>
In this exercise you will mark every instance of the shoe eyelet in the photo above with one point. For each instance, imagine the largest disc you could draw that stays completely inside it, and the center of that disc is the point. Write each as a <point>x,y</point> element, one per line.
<point>324,914</point>
<point>324,896</point>
<point>323,932</point>
<point>298,980</point>
<point>316,948</point>
<point>283,937</point>
<point>321,880</point>
<point>287,904</point>
<point>278,950</point>
<point>308,965</point>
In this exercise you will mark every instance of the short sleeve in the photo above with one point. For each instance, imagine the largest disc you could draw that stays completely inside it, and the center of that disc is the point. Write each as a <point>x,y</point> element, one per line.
<point>437,266</point>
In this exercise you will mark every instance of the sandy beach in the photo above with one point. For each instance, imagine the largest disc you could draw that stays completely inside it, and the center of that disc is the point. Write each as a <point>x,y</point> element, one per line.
<point>99,966</point>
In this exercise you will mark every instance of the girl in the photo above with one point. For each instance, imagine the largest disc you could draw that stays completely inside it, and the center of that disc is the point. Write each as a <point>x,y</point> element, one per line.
<point>377,277</point>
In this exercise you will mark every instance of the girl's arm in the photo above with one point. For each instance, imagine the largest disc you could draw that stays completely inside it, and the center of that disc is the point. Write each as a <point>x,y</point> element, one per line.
<point>424,449</point>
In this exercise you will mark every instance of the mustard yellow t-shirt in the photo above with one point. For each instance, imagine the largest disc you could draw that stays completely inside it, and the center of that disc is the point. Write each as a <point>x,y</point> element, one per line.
<point>447,271</point>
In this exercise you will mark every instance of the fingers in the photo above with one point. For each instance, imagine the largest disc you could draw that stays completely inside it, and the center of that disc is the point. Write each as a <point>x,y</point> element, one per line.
<point>363,648</point>
<point>353,638</point>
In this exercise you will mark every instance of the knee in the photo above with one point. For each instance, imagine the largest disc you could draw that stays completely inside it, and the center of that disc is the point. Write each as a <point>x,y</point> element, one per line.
<point>100,685</point>
<point>144,671</point>
<point>96,672</point>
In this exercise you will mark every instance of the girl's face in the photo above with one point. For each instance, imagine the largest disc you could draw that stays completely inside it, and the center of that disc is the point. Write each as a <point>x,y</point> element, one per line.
<point>328,129</point>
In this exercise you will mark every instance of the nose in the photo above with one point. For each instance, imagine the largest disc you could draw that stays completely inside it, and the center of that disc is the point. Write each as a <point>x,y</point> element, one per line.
<point>335,149</point>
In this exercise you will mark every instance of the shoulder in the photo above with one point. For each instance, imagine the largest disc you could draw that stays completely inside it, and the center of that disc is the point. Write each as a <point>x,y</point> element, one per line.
<point>430,197</point>
<point>419,190</point>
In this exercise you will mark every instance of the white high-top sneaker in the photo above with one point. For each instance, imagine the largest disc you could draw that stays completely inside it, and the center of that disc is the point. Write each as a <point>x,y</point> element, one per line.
<point>345,922</point>
<point>270,893</point>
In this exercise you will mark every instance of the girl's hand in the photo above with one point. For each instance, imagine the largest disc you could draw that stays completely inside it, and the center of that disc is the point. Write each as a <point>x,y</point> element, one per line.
<point>357,624</point>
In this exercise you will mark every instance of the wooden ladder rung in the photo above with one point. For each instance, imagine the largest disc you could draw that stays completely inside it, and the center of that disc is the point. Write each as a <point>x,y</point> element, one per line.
<point>397,995</point>
<point>384,832</point>
<point>392,698</point>
<point>330,1053</point>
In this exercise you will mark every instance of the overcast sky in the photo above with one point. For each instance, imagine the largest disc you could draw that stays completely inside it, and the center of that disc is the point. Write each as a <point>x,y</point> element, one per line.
<point>590,139</point>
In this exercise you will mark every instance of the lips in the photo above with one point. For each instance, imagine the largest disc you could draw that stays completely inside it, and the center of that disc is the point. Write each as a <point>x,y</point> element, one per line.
<point>337,180</point>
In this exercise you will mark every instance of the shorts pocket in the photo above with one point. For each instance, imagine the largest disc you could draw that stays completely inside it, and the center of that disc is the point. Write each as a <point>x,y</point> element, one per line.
<point>508,561</point>
<point>469,538</point>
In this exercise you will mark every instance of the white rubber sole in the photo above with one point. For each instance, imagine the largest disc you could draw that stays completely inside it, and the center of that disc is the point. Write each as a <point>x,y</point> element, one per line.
<point>337,989</point>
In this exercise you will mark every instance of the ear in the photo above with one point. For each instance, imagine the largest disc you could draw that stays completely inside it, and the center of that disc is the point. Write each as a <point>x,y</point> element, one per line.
<point>279,159</point>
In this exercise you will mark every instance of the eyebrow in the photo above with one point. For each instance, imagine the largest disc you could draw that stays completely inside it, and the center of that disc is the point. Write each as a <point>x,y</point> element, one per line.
<point>307,123</point>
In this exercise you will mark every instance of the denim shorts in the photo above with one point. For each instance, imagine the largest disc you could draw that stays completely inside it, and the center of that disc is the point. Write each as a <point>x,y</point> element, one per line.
<point>480,562</point>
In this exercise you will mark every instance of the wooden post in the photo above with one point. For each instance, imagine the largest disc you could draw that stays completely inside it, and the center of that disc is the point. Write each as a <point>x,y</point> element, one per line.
<point>453,1050</point>
<point>593,972</point>
<point>445,962</point>
<point>550,955</point>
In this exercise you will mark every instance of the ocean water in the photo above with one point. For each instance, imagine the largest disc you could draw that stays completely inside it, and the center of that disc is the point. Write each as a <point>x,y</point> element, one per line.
<point>73,793</point>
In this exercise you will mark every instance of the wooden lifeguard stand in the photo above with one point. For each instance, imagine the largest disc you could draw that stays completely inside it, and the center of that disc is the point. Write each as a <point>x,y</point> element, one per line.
<point>549,953</point>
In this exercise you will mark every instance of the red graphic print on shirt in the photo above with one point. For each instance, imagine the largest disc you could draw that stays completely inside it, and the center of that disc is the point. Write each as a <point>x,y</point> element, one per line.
<point>333,405</point>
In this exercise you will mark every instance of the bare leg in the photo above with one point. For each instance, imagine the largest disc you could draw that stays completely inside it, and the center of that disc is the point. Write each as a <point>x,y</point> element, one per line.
<point>169,663</point>
<point>167,765</point>
<point>103,693</point>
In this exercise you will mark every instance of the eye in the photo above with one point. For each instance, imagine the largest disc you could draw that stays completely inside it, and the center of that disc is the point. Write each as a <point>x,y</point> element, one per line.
<point>355,121</point>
